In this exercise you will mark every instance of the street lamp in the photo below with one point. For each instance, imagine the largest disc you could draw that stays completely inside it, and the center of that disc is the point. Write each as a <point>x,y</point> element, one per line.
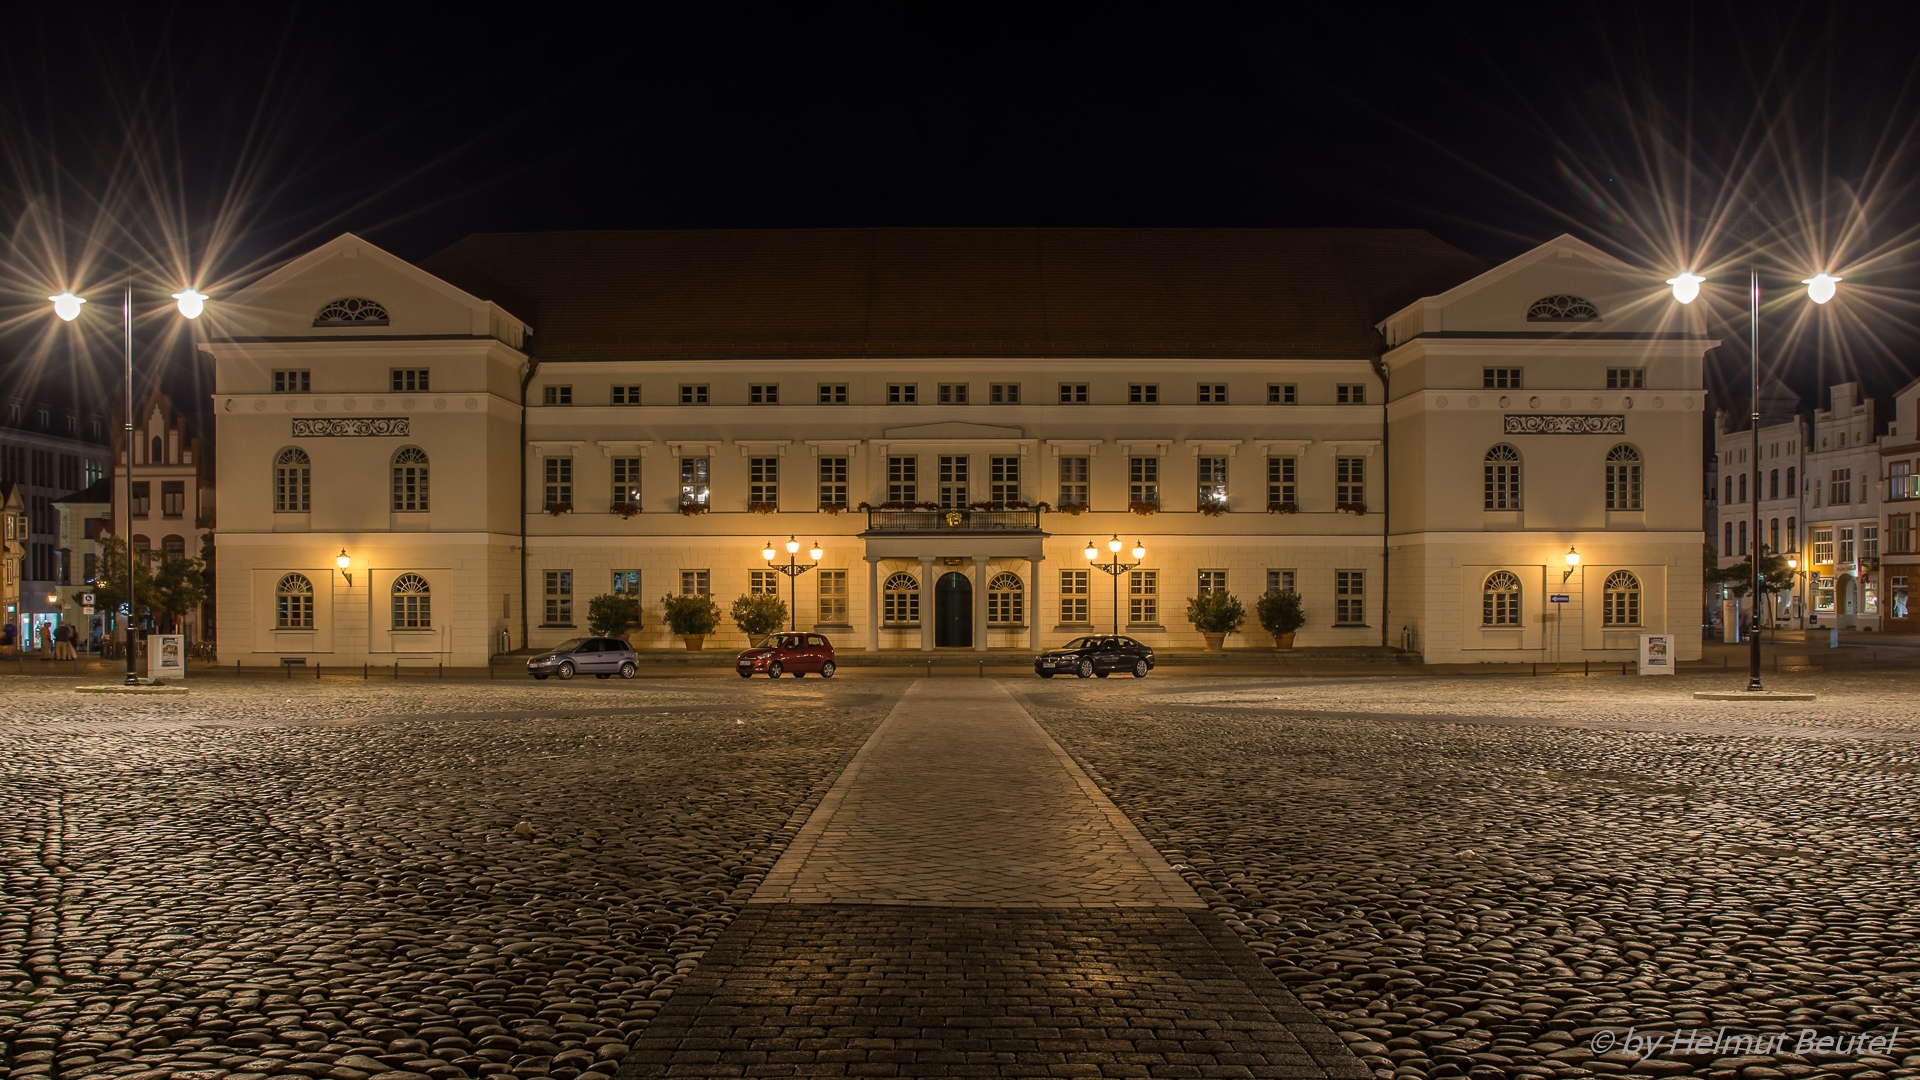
<point>192,303</point>
<point>343,563</point>
<point>1820,289</point>
<point>1573,563</point>
<point>793,570</point>
<point>1114,568</point>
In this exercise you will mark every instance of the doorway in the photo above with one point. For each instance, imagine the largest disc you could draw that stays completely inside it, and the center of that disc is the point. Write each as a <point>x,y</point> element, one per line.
<point>953,611</point>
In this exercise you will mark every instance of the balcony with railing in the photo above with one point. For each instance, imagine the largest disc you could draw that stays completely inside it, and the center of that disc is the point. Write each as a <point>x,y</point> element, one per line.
<point>962,520</point>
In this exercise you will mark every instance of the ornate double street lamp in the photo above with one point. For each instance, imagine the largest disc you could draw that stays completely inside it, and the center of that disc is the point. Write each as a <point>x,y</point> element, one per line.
<point>1820,289</point>
<point>191,303</point>
<point>1114,568</point>
<point>793,570</point>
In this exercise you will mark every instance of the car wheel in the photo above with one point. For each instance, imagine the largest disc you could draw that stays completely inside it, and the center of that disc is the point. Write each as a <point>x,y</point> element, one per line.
<point>827,669</point>
<point>566,671</point>
<point>773,670</point>
<point>1086,669</point>
<point>542,678</point>
<point>1139,669</point>
<point>628,671</point>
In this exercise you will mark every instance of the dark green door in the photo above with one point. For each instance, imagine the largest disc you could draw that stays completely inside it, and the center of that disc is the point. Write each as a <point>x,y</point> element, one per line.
<point>953,610</point>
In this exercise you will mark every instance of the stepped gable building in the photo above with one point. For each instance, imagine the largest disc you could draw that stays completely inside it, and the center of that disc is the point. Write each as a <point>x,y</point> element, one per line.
<point>1370,418</point>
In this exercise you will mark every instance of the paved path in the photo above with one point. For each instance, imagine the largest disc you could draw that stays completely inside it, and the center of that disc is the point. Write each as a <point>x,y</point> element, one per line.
<point>965,902</point>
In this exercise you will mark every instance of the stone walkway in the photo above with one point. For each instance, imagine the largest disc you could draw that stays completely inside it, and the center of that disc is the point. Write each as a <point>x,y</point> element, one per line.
<point>964,902</point>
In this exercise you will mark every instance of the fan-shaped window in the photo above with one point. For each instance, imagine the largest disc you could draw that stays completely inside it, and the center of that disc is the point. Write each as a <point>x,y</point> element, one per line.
<point>1006,600</point>
<point>175,547</point>
<point>1500,599</point>
<point>1621,603</point>
<point>293,603</point>
<point>292,482</point>
<point>1562,309</point>
<point>410,480</point>
<point>412,603</point>
<point>352,311</point>
<point>902,602</point>
<point>1503,478</point>
<point>1623,478</point>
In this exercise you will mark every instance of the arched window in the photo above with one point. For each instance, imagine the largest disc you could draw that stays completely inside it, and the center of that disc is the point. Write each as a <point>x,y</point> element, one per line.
<point>1562,309</point>
<point>1500,600</point>
<point>1621,600</point>
<point>902,604</point>
<point>143,547</point>
<point>352,311</point>
<point>1503,478</point>
<point>1006,599</point>
<point>292,482</point>
<point>410,479</point>
<point>293,603</point>
<point>175,547</point>
<point>412,603</point>
<point>157,452</point>
<point>1623,478</point>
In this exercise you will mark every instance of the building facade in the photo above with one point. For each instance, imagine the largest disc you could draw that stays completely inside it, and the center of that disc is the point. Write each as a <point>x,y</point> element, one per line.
<point>1899,501</point>
<point>1409,440</point>
<point>50,446</point>
<point>173,493</point>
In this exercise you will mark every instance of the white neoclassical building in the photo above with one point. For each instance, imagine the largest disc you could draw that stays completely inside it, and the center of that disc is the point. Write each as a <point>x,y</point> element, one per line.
<point>1411,441</point>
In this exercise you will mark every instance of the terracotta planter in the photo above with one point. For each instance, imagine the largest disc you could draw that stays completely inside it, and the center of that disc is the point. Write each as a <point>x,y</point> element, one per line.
<point>1283,642</point>
<point>694,641</point>
<point>1215,642</point>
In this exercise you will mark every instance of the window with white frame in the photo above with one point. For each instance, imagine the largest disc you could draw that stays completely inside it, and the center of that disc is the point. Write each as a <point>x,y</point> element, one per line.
<point>625,395</point>
<point>292,482</point>
<point>1349,597</point>
<point>1003,479</point>
<point>1500,378</point>
<point>953,481</point>
<point>763,394</point>
<point>410,480</point>
<point>1212,394</point>
<point>1213,581</point>
<point>559,478</point>
<point>1073,481</point>
<point>1350,480</point>
<point>1282,581</point>
<point>626,583</point>
<point>1845,533</point>
<point>1500,599</point>
<point>1280,482</point>
<point>1143,393</point>
<point>412,603</point>
<point>559,598</point>
<point>953,393</point>
<point>763,582</point>
<point>1283,394</point>
<point>293,603</point>
<point>833,481</point>
<point>1073,596</point>
<point>556,395</point>
<point>292,382</point>
<point>1004,393</point>
<point>1073,393</point>
<point>1006,600</point>
<point>693,393</point>
<point>696,487</point>
<point>1350,394</point>
<point>1502,477</point>
<point>1840,487</point>
<point>763,481</point>
<point>1143,597</point>
<point>833,597</point>
<point>1212,476</point>
<point>1626,378</point>
<point>903,393</point>
<point>1620,600</point>
<point>903,479</point>
<point>900,600</point>
<point>1143,480</point>
<point>626,484</point>
<point>696,583</point>
<point>1869,543</point>
<point>410,380</point>
<point>833,393</point>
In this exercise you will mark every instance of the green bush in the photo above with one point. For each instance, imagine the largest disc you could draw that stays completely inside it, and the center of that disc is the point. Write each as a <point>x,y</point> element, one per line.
<point>610,615</point>
<point>759,614</point>
<point>1215,613</point>
<point>691,614</point>
<point>1281,613</point>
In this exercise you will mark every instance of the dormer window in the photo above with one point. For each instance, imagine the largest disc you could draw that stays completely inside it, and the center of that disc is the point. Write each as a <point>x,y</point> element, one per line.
<point>352,311</point>
<point>1562,309</point>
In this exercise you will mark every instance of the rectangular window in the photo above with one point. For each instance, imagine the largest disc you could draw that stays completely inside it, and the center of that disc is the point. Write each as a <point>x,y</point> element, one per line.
<point>1143,480</point>
<point>763,582</point>
<point>1500,378</point>
<point>763,394</point>
<point>625,395</point>
<point>1003,479</point>
<point>953,480</point>
<point>1212,473</point>
<point>833,481</point>
<point>696,583</point>
<point>1350,480</point>
<point>92,473</point>
<point>556,395</point>
<point>833,393</point>
<point>1004,393</point>
<point>1839,487</point>
<point>953,393</point>
<point>763,481</point>
<point>1073,393</point>
<point>1282,394</point>
<point>173,498</point>
<point>903,475</point>
<point>559,481</point>
<point>1846,545</point>
<point>1280,482</point>
<point>559,598</point>
<point>1143,393</point>
<point>142,498</point>
<point>1626,378</point>
<point>626,483</point>
<point>693,393</point>
<point>833,598</point>
<point>1823,547</point>
<point>1350,394</point>
<point>1073,596</point>
<point>695,487</point>
<point>1213,581</point>
<point>1282,581</point>
<point>410,380</point>
<point>1073,481</point>
<point>1143,597</point>
<point>1900,480</point>
<point>292,382</point>
<point>1349,597</point>
<point>1869,543</point>
<point>1900,534</point>
<point>903,393</point>
<point>1213,394</point>
<point>626,583</point>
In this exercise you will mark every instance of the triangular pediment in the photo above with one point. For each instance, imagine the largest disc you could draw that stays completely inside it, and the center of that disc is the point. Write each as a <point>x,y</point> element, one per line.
<point>955,429</point>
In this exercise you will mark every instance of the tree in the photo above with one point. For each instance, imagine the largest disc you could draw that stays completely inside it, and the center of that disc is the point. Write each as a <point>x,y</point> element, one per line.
<point>1281,613</point>
<point>1775,576</point>
<point>1215,613</point>
<point>696,614</point>
<point>759,614</point>
<point>178,587</point>
<point>110,580</point>
<point>610,614</point>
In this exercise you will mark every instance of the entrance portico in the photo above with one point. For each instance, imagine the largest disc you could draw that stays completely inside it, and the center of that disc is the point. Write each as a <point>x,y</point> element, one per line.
<point>943,543</point>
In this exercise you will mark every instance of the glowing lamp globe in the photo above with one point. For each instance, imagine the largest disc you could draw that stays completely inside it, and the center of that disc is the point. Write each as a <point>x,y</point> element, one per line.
<point>1092,552</point>
<point>1138,551</point>
<point>191,302</point>
<point>1820,287</point>
<point>1793,563</point>
<point>814,552</point>
<point>1686,286</point>
<point>341,560</point>
<point>793,546</point>
<point>66,305</point>
<point>1113,545</point>
<point>767,552</point>
<point>1573,557</point>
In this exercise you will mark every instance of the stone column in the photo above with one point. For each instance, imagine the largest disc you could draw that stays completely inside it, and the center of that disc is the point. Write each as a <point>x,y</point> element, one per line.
<point>1033,602</point>
<point>926,603</point>
<point>979,603</point>
<point>873,604</point>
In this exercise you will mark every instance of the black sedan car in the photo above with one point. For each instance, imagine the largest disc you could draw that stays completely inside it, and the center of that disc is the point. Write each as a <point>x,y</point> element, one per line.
<point>1091,656</point>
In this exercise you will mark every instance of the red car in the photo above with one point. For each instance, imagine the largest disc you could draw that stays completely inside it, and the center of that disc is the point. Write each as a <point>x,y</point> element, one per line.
<point>795,654</point>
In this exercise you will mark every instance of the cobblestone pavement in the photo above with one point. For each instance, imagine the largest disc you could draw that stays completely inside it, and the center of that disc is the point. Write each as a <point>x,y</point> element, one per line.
<point>1460,889</point>
<point>353,880</point>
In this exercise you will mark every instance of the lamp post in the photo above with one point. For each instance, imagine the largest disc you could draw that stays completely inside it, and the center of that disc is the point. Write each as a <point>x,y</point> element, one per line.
<point>1820,289</point>
<point>66,305</point>
<point>1114,568</point>
<point>793,570</point>
<point>1800,577</point>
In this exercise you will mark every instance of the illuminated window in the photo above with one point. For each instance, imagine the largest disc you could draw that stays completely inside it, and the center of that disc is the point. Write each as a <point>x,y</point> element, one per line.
<point>1623,478</point>
<point>1006,600</point>
<point>352,311</point>
<point>1620,604</point>
<point>1500,600</point>
<point>901,600</point>
<point>292,482</point>
<point>410,480</point>
<point>1502,474</point>
<point>293,603</point>
<point>1073,596</point>
<point>412,603</point>
<point>1562,309</point>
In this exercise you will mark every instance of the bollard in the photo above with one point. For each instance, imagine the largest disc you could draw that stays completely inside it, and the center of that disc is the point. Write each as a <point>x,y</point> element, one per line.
<point>396,671</point>
<point>289,669</point>
<point>443,671</point>
<point>929,669</point>
<point>236,669</point>
<point>1587,668</point>
<point>983,669</point>
<point>363,672</point>
<point>316,672</point>
<point>1536,671</point>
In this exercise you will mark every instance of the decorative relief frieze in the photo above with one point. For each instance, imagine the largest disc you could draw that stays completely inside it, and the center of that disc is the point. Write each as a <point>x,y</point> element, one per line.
<point>321,427</point>
<point>1563,424</point>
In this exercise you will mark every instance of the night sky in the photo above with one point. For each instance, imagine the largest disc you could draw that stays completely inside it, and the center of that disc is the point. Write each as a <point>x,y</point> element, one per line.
<point>218,141</point>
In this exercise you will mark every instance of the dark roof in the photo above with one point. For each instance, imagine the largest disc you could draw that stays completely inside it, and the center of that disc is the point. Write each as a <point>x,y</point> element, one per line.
<point>100,491</point>
<point>1299,293</point>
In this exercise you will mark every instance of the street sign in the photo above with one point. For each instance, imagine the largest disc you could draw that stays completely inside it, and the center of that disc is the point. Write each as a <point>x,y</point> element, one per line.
<point>86,598</point>
<point>86,609</point>
<point>1559,598</point>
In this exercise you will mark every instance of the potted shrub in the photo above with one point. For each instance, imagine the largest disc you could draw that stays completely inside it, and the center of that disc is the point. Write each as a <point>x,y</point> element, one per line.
<point>612,614</point>
<point>692,617</point>
<point>1281,614</point>
<point>759,614</point>
<point>1215,615</point>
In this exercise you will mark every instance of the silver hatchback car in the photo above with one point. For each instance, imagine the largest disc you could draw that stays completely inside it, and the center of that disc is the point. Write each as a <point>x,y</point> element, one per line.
<point>601,657</point>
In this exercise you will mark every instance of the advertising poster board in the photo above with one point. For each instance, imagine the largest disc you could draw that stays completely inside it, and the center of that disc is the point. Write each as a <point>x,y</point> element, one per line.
<point>166,656</point>
<point>1656,654</point>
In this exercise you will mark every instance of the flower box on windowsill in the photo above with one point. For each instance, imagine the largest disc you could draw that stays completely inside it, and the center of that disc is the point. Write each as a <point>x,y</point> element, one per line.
<point>1070,508</point>
<point>626,510</point>
<point>1283,508</point>
<point>558,508</point>
<point>691,509</point>
<point>763,508</point>
<point>992,506</point>
<point>1144,509</point>
<point>834,508</point>
<point>1213,508</point>
<point>1357,509</point>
